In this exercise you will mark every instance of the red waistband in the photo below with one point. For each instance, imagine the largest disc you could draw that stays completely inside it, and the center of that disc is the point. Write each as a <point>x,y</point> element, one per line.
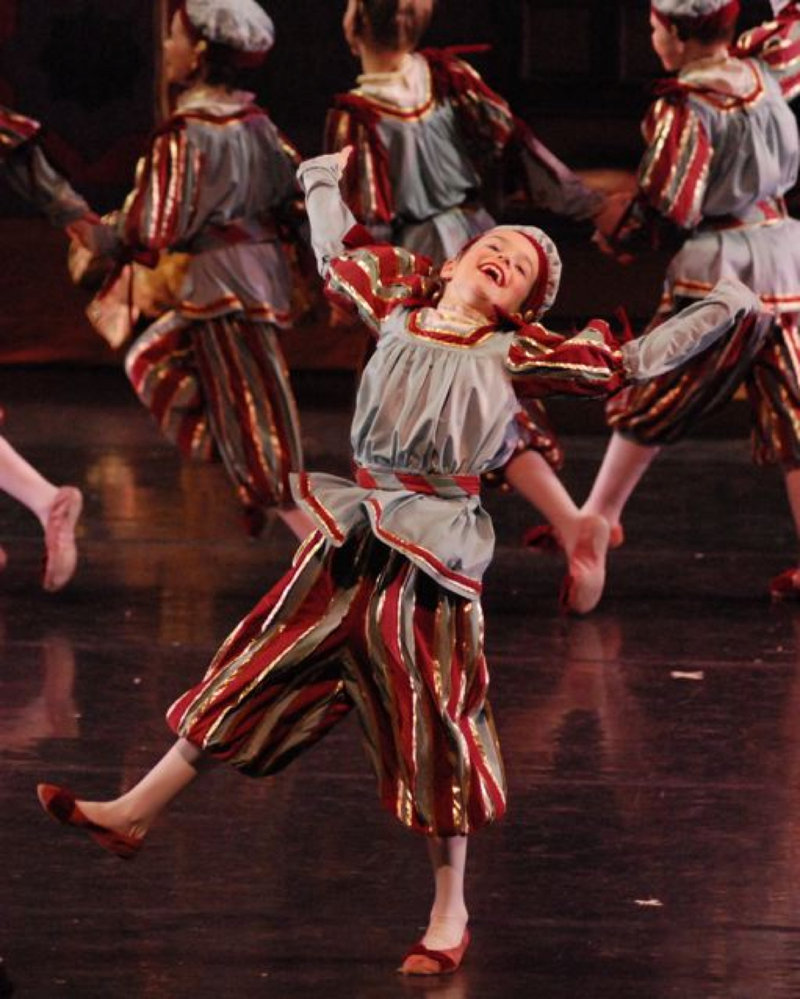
<point>429,485</point>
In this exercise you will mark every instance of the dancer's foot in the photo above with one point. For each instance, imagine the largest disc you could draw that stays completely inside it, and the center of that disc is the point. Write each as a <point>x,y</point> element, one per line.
<point>586,575</point>
<point>61,553</point>
<point>438,952</point>
<point>60,804</point>
<point>786,585</point>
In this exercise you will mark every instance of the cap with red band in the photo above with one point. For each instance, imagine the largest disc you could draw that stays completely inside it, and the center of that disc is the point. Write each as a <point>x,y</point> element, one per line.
<point>241,25</point>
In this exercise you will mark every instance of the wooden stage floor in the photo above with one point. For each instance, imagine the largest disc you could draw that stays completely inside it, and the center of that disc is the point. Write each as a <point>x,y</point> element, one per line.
<point>651,848</point>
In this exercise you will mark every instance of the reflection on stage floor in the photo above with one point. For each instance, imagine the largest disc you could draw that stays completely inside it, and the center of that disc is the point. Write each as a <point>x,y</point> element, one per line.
<point>652,749</point>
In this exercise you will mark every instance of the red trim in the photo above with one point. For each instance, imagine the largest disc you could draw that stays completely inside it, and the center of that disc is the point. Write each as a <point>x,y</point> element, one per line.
<point>471,484</point>
<point>308,497</point>
<point>536,297</point>
<point>471,340</point>
<point>401,544</point>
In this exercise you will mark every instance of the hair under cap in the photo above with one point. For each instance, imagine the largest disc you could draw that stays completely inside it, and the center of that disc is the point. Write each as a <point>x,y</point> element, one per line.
<point>242,25</point>
<point>545,287</point>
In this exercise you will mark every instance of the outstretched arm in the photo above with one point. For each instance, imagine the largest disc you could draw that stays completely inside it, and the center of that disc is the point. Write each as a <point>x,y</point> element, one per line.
<point>690,331</point>
<point>373,278</point>
<point>329,217</point>
<point>593,363</point>
<point>30,174</point>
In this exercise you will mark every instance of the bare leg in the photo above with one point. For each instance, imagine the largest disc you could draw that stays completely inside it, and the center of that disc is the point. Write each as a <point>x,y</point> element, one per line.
<point>448,918</point>
<point>583,533</point>
<point>20,480</point>
<point>624,464</point>
<point>534,479</point>
<point>135,811</point>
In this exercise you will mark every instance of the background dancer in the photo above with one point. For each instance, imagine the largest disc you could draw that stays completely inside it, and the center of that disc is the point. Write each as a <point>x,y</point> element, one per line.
<point>722,150</point>
<point>210,197</point>
<point>431,139</point>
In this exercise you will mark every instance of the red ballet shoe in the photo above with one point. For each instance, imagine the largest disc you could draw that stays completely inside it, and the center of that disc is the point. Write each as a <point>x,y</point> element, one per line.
<point>786,585</point>
<point>542,540</point>
<point>60,804</point>
<point>420,960</point>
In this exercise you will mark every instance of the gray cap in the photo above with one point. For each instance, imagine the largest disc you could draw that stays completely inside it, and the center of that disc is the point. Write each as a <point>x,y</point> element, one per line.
<point>690,8</point>
<point>240,24</point>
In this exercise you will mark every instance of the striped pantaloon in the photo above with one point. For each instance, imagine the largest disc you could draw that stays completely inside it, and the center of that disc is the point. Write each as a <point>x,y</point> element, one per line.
<point>360,627</point>
<point>219,389</point>
<point>761,355</point>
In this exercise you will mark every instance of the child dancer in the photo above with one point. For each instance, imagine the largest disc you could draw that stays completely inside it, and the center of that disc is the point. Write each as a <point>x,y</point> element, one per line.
<point>214,186</point>
<point>722,149</point>
<point>27,170</point>
<point>428,134</point>
<point>380,611</point>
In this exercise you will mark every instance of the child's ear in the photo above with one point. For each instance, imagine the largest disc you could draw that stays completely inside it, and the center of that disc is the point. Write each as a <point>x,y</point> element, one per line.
<point>446,270</point>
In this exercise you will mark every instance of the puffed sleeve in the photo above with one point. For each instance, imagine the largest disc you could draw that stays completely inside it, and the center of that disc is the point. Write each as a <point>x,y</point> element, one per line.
<point>373,279</point>
<point>493,132</point>
<point>673,172</point>
<point>777,44</point>
<point>595,363</point>
<point>161,208</point>
<point>544,363</point>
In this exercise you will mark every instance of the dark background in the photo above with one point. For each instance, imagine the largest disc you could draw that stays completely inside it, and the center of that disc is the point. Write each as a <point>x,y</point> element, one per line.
<point>577,71</point>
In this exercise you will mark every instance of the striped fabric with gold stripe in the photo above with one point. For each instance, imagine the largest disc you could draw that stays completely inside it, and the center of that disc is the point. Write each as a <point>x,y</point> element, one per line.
<point>360,628</point>
<point>220,390</point>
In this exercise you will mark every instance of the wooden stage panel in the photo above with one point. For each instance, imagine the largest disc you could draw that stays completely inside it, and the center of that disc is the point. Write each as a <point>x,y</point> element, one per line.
<point>652,749</point>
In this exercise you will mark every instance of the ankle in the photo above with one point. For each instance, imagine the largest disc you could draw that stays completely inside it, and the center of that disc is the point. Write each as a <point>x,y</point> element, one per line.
<point>445,932</point>
<point>117,815</point>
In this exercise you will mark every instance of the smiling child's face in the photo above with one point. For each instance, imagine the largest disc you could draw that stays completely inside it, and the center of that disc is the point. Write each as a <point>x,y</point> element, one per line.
<point>498,270</point>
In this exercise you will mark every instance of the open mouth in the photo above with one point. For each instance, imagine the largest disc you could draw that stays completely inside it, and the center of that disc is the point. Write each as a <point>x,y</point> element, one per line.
<point>494,273</point>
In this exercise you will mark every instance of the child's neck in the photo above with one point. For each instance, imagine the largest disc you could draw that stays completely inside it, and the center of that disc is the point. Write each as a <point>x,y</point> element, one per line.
<point>696,52</point>
<point>453,305</point>
<point>381,61</point>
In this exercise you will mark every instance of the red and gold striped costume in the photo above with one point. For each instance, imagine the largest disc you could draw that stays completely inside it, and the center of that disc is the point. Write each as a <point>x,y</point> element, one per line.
<point>360,627</point>
<point>721,151</point>
<point>215,185</point>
